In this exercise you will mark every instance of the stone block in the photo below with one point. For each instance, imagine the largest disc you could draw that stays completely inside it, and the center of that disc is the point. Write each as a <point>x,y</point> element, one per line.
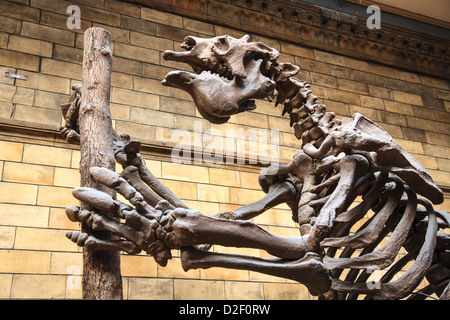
<point>136,130</point>
<point>139,25</point>
<point>435,150</point>
<point>5,285</point>
<point>409,76</point>
<point>297,50</point>
<point>330,58</point>
<point>7,235</point>
<point>151,42</point>
<point>31,46</point>
<point>121,80</point>
<point>185,172</point>
<point>11,151</point>
<point>49,100</point>
<point>58,219</point>
<point>29,286</point>
<point>10,25</point>
<point>7,92</point>
<point>213,193</point>
<point>27,173</point>
<point>65,177</point>
<point>371,102</point>
<point>394,118</point>
<point>200,27</point>
<point>370,78</point>
<point>224,274</point>
<point>174,269</point>
<point>371,113</point>
<point>357,64</point>
<point>442,127</point>
<point>138,266</point>
<point>343,96</point>
<point>150,86</point>
<point>244,290</point>
<point>177,106</point>
<point>380,92</point>
<point>182,189</point>
<point>150,289</point>
<point>154,71</point>
<point>68,263</point>
<point>443,164</point>
<point>249,180</point>
<point>18,261</point>
<point>420,123</point>
<point>39,115</point>
<point>285,291</point>
<point>43,240</point>
<point>62,69</point>
<point>19,60</point>
<point>45,82</point>
<point>434,82</point>
<point>136,53</point>
<point>19,11</point>
<point>56,197</point>
<point>342,72</point>
<point>123,8</point>
<point>23,215</point>
<point>323,80</point>
<point>185,289</point>
<point>152,117</point>
<point>397,107</point>
<point>46,33</point>
<point>18,193</point>
<point>173,33</point>
<point>230,178</point>
<point>161,17</point>
<point>353,86</point>
<point>383,70</point>
<point>409,98</point>
<point>414,134</point>
<point>127,66</point>
<point>438,139</point>
<point>134,98</point>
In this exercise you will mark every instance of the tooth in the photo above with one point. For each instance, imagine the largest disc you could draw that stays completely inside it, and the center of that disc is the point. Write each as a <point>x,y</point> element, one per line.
<point>212,65</point>
<point>221,70</point>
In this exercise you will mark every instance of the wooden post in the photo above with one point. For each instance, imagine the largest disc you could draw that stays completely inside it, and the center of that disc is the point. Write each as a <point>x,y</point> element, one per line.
<point>101,269</point>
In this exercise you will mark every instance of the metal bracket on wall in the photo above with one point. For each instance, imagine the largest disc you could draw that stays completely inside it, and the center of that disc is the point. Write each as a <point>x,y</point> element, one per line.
<point>15,76</point>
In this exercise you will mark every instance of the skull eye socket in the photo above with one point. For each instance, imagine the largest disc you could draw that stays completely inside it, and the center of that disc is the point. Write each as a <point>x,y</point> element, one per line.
<point>221,45</point>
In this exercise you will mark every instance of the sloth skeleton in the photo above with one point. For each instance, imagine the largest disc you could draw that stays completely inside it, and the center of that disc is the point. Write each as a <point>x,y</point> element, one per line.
<point>339,161</point>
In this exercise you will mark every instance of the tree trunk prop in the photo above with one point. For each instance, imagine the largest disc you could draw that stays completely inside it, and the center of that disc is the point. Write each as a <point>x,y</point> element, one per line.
<point>101,269</point>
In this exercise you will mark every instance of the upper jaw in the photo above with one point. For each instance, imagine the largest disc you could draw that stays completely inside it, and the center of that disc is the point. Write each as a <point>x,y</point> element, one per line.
<point>223,55</point>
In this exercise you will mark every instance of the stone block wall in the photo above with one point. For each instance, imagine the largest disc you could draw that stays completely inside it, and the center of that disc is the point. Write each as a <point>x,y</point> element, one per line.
<point>38,169</point>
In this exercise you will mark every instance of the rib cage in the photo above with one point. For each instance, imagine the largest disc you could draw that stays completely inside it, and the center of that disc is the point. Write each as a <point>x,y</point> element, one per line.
<point>352,255</point>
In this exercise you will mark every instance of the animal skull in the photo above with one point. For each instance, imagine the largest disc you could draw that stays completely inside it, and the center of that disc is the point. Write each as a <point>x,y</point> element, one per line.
<point>228,74</point>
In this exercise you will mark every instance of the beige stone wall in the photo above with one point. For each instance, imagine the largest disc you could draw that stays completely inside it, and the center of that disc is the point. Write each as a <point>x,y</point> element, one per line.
<point>38,169</point>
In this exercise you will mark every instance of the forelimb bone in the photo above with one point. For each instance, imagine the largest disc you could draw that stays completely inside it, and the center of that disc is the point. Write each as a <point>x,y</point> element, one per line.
<point>193,228</point>
<point>307,270</point>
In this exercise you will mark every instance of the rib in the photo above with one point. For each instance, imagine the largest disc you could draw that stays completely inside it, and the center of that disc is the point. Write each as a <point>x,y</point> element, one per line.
<point>384,256</point>
<point>369,234</point>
